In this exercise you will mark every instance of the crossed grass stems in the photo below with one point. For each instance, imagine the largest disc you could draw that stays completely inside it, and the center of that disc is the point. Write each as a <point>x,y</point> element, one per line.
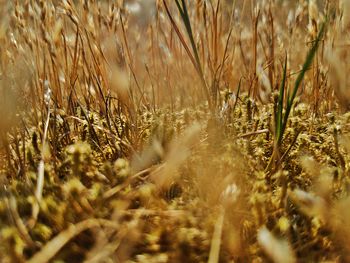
<point>285,98</point>
<point>283,112</point>
<point>283,108</point>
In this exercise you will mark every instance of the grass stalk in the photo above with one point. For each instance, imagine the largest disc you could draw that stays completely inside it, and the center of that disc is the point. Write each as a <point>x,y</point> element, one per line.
<point>182,7</point>
<point>282,120</point>
<point>41,167</point>
<point>308,62</point>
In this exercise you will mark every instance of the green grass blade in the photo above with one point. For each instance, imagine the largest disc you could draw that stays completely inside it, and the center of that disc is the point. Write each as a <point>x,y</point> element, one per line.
<point>186,20</point>
<point>237,94</point>
<point>182,7</point>
<point>279,117</point>
<point>306,66</point>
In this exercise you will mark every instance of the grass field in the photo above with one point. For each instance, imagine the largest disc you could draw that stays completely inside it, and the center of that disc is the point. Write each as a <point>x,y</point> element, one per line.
<point>174,131</point>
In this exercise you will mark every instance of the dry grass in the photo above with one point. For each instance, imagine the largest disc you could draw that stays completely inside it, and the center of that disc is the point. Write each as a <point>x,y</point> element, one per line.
<point>174,131</point>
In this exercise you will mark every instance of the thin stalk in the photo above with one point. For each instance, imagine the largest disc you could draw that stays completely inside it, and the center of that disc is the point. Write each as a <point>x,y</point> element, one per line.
<point>237,95</point>
<point>41,172</point>
<point>195,57</point>
<point>306,66</point>
<point>279,122</point>
<point>282,120</point>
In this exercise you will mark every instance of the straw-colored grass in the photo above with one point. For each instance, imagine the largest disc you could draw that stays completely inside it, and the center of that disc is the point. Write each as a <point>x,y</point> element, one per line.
<point>174,131</point>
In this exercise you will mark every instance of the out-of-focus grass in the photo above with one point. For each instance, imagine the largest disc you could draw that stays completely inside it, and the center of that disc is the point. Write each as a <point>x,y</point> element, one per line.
<point>174,131</point>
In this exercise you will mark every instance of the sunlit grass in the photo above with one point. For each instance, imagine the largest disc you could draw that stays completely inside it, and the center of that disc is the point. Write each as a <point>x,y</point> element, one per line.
<point>174,131</point>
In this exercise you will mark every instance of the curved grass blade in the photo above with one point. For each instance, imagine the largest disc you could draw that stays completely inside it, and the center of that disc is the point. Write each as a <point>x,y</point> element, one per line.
<point>306,66</point>
<point>182,7</point>
<point>279,118</point>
